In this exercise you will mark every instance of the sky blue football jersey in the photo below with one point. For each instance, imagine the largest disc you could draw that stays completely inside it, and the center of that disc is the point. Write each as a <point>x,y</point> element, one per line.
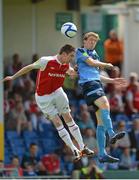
<point>86,72</point>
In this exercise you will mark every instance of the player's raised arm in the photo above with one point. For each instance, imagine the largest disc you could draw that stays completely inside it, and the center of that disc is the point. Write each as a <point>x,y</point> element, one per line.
<point>21,72</point>
<point>99,64</point>
<point>117,81</point>
<point>106,79</point>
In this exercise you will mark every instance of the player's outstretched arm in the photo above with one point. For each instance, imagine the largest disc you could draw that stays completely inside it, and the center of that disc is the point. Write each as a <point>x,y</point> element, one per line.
<point>106,79</point>
<point>21,72</point>
<point>99,64</point>
<point>120,82</point>
<point>117,81</point>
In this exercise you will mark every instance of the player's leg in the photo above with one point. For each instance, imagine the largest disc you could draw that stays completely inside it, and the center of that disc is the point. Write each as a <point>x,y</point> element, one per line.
<point>100,134</point>
<point>104,110</point>
<point>49,110</point>
<point>101,140</point>
<point>104,113</point>
<point>75,131</point>
<point>94,94</point>
<point>63,133</point>
<point>62,104</point>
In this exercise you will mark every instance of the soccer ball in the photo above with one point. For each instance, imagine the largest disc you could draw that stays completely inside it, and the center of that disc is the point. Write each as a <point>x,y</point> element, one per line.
<point>69,29</point>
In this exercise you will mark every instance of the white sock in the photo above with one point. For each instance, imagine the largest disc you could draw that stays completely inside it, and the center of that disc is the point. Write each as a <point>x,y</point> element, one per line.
<point>75,131</point>
<point>63,133</point>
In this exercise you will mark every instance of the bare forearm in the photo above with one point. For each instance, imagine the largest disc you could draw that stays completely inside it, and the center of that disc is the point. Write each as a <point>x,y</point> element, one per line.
<point>23,71</point>
<point>106,79</point>
<point>96,63</point>
<point>99,64</point>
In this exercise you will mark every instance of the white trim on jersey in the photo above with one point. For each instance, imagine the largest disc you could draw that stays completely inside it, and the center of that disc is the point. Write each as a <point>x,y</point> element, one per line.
<point>42,62</point>
<point>57,59</point>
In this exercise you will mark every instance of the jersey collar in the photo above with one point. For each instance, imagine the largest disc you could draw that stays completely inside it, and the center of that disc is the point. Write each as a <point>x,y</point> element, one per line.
<point>57,59</point>
<point>91,50</point>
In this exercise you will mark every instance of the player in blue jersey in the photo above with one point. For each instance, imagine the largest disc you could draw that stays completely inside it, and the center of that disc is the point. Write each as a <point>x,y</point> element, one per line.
<point>90,80</point>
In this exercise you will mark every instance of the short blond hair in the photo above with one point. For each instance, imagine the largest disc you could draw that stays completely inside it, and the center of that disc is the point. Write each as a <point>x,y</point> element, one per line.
<point>88,34</point>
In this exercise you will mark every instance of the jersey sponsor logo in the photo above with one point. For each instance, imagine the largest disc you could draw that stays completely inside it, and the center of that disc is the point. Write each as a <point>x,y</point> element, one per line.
<point>56,75</point>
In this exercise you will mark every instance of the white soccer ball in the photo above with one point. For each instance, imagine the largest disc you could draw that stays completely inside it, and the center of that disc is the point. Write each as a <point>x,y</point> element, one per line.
<point>69,29</point>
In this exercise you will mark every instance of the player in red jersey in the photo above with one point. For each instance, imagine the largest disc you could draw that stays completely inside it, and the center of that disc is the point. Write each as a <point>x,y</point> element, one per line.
<point>51,98</point>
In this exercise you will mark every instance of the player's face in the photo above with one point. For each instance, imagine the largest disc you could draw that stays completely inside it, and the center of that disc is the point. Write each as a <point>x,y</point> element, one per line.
<point>68,57</point>
<point>91,42</point>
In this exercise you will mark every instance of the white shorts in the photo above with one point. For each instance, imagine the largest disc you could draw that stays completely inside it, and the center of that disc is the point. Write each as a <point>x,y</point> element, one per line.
<point>53,104</point>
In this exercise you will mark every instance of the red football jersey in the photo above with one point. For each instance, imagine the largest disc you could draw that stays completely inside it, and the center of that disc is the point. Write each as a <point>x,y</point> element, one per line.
<point>51,77</point>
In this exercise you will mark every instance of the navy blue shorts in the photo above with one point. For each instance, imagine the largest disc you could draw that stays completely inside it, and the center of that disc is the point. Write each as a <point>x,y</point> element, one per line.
<point>92,90</point>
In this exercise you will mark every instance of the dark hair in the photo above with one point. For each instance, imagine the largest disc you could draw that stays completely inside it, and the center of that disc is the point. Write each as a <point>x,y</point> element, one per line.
<point>15,157</point>
<point>32,144</point>
<point>67,49</point>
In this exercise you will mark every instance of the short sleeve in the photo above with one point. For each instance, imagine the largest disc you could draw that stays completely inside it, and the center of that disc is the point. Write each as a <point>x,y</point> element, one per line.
<point>41,63</point>
<point>81,55</point>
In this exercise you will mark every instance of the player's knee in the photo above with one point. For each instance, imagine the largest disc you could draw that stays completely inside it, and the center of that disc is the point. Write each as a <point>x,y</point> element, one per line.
<point>102,103</point>
<point>105,106</point>
<point>99,122</point>
<point>67,117</point>
<point>57,124</point>
<point>71,123</point>
<point>57,121</point>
